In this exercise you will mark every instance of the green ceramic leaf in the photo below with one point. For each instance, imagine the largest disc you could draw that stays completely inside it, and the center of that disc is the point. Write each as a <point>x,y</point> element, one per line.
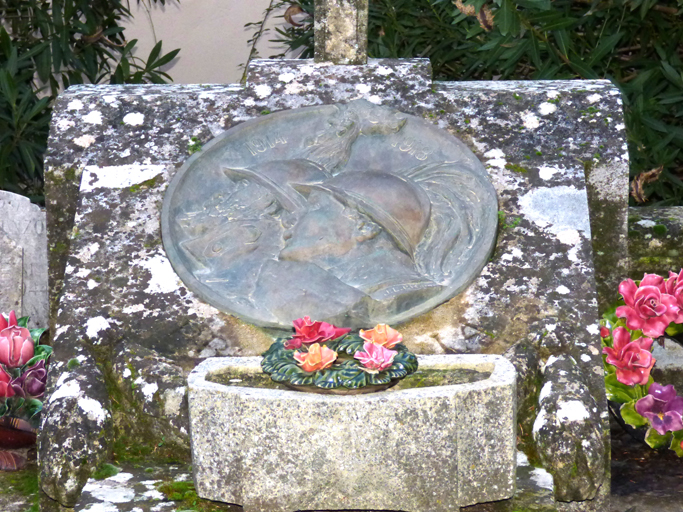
<point>36,334</point>
<point>328,379</point>
<point>378,378</point>
<point>349,372</point>
<point>631,416</point>
<point>351,344</point>
<point>396,372</point>
<point>356,382</point>
<point>676,440</point>
<point>279,377</point>
<point>23,321</point>
<point>618,392</point>
<point>407,360</point>
<point>303,380</point>
<point>654,440</point>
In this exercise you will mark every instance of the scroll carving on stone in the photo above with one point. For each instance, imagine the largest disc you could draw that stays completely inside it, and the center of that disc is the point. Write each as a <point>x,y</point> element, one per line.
<point>350,213</point>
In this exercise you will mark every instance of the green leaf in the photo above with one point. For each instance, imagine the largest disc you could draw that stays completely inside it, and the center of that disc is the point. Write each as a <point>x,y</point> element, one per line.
<point>631,416</point>
<point>507,18</point>
<point>605,47</point>
<point>23,321</point>
<point>165,59</point>
<point>153,55</point>
<point>654,440</point>
<point>36,334</point>
<point>542,5</point>
<point>562,38</point>
<point>676,441</point>
<point>581,68</point>
<point>560,24</point>
<point>618,392</point>
<point>328,379</point>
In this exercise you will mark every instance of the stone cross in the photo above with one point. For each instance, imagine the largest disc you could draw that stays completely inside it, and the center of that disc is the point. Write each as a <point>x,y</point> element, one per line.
<point>23,259</point>
<point>341,31</point>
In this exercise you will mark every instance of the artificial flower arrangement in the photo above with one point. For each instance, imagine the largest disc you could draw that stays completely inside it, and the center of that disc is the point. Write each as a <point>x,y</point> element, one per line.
<point>651,308</point>
<point>23,371</point>
<point>320,356</point>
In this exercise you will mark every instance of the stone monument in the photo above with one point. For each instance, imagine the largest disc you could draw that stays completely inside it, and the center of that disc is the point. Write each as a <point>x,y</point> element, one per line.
<point>23,265</point>
<point>319,212</point>
<point>131,323</point>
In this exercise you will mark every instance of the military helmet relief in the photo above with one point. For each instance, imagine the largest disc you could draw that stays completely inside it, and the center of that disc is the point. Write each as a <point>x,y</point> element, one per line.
<point>354,214</point>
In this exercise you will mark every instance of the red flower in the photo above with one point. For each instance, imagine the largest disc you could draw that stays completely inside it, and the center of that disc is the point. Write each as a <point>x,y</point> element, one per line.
<point>674,287</point>
<point>6,390</point>
<point>16,344</point>
<point>632,359</point>
<point>308,332</point>
<point>604,332</point>
<point>648,307</point>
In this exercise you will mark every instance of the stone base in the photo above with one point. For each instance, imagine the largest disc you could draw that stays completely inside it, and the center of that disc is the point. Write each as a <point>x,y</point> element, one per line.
<point>433,448</point>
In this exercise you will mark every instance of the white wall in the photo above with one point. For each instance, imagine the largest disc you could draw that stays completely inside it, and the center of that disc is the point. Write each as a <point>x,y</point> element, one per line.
<point>210,34</point>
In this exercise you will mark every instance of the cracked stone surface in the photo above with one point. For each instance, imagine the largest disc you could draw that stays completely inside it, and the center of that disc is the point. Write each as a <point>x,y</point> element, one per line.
<point>341,31</point>
<point>120,145</point>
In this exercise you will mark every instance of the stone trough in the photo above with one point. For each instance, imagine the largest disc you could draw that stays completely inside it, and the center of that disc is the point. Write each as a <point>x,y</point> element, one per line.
<point>429,447</point>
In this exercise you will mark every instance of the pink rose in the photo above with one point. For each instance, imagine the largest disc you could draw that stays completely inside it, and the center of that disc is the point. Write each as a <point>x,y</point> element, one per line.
<point>632,359</point>
<point>317,358</point>
<point>376,358</point>
<point>16,344</point>
<point>648,307</point>
<point>674,287</point>
<point>6,389</point>
<point>308,332</point>
<point>382,335</point>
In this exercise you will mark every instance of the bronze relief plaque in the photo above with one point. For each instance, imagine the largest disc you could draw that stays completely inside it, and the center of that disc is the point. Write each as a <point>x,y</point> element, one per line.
<point>350,213</point>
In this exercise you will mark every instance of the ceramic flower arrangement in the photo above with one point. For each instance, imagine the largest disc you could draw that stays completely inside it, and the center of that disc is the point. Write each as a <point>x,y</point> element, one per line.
<point>320,356</point>
<point>651,308</point>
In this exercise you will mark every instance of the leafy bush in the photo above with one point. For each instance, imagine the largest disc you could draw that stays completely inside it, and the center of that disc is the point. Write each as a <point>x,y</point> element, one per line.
<point>45,46</point>
<point>638,44</point>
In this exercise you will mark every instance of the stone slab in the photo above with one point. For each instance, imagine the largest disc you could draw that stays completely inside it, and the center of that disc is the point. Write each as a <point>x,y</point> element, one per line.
<point>436,448</point>
<point>22,224</point>
<point>127,142</point>
<point>655,240</point>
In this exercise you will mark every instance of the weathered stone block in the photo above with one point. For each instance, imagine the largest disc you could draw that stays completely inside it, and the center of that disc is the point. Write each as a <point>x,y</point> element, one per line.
<point>341,31</point>
<point>431,448</point>
<point>23,271</point>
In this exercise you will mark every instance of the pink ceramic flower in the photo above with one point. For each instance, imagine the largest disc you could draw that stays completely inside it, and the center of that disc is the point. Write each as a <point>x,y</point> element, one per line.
<point>6,390</point>
<point>382,335</point>
<point>317,358</point>
<point>604,332</point>
<point>648,307</point>
<point>16,344</point>
<point>632,359</point>
<point>376,358</point>
<point>308,332</point>
<point>674,287</point>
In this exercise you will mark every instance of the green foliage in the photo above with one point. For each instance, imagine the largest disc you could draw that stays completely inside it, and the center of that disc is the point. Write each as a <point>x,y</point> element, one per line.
<point>46,46</point>
<point>654,440</point>
<point>634,43</point>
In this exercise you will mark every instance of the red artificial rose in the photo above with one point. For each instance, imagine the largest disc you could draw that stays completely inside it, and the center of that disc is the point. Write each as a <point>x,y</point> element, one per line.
<point>632,359</point>
<point>308,332</point>
<point>649,308</point>
<point>674,287</point>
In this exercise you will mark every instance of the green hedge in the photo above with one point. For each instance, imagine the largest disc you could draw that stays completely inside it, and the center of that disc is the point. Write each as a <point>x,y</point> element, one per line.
<point>637,44</point>
<point>45,46</point>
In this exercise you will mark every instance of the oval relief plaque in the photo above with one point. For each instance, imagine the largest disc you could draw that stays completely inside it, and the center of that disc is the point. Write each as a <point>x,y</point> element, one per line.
<point>354,214</point>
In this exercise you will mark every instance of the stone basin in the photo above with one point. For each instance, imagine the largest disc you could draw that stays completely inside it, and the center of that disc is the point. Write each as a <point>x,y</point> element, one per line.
<point>428,447</point>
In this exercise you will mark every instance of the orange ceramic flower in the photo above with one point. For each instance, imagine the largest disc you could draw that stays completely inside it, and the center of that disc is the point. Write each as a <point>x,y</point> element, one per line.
<point>317,358</point>
<point>382,335</point>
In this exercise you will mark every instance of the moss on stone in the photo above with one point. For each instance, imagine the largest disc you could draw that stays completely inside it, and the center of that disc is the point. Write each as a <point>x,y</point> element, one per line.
<point>660,229</point>
<point>73,364</point>
<point>516,168</point>
<point>145,184</point>
<point>185,494</point>
<point>105,470</point>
